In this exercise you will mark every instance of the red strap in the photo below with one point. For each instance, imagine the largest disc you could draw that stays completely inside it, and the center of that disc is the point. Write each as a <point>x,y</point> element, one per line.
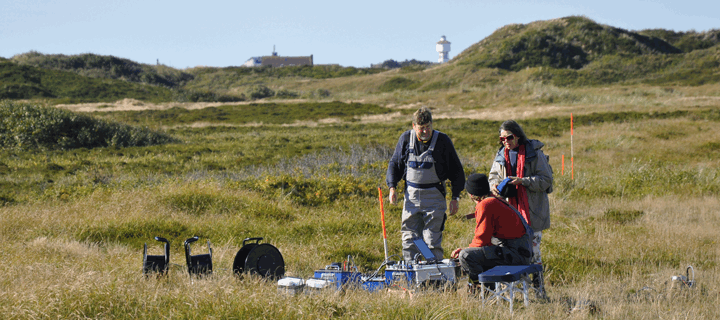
<point>520,202</point>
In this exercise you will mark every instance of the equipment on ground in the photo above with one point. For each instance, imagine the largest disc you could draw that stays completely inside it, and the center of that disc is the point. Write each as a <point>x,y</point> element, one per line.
<point>200,264</point>
<point>335,276</point>
<point>291,285</point>
<point>502,282</point>
<point>686,281</point>
<point>431,273</point>
<point>156,263</point>
<point>261,259</point>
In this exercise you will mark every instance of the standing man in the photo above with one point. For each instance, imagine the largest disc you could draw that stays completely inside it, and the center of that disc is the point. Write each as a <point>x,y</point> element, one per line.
<point>424,158</point>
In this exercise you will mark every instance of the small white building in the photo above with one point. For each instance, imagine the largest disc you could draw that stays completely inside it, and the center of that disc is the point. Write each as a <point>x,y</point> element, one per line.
<point>443,47</point>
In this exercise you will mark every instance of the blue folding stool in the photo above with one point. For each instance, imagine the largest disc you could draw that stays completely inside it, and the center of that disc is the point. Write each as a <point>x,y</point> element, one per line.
<point>507,280</point>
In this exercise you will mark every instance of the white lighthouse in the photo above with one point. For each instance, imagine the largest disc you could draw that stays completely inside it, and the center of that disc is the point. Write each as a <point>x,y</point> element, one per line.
<point>443,47</point>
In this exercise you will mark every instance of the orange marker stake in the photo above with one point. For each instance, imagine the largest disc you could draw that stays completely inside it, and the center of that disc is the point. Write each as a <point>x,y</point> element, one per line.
<point>572,158</point>
<point>563,164</point>
<point>382,217</point>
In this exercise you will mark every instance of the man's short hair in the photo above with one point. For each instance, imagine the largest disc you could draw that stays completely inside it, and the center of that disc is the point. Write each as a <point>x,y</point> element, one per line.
<point>422,116</point>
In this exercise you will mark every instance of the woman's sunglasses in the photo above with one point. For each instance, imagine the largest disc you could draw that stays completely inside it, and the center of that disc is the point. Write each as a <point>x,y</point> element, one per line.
<point>508,138</point>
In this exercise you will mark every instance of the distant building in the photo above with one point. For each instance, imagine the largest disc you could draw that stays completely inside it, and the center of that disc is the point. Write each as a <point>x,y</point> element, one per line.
<point>443,47</point>
<point>277,61</point>
<point>253,62</point>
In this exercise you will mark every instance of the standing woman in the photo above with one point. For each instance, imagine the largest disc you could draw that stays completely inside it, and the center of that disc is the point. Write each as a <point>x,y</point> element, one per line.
<point>523,161</point>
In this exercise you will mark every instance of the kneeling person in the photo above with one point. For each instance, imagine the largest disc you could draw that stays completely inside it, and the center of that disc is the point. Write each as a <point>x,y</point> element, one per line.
<point>502,236</point>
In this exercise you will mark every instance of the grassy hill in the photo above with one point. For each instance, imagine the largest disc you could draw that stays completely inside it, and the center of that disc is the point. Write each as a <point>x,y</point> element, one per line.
<point>574,42</point>
<point>106,67</point>
<point>27,82</point>
<point>578,51</point>
<point>566,52</point>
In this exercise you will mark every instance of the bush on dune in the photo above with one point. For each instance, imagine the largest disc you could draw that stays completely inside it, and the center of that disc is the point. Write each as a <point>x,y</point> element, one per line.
<point>26,126</point>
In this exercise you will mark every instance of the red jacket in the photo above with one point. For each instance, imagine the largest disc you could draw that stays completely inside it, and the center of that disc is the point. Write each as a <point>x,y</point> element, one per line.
<point>493,218</point>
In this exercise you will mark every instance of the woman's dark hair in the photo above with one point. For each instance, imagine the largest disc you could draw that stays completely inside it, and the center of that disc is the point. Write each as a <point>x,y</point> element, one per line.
<point>514,127</point>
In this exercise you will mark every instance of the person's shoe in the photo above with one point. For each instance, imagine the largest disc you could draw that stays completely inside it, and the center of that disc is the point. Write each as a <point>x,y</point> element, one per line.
<point>538,285</point>
<point>473,287</point>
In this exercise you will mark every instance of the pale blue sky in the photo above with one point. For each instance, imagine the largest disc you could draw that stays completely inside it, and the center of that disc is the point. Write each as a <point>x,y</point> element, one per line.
<point>218,33</point>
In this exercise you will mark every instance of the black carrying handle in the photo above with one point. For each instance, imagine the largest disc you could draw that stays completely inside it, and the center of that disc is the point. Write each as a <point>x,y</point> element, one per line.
<point>167,248</point>
<point>191,240</point>
<point>257,240</point>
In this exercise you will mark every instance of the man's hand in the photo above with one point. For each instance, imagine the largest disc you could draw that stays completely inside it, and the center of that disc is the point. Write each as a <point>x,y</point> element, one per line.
<point>456,253</point>
<point>392,196</point>
<point>454,206</point>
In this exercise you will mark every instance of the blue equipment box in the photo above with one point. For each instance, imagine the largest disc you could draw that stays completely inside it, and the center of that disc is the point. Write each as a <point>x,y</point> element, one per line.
<point>338,277</point>
<point>373,284</point>
<point>399,274</point>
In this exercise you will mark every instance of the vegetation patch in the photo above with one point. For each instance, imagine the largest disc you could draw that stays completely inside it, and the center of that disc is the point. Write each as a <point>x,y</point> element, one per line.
<point>315,71</point>
<point>198,203</point>
<point>398,83</point>
<point>27,126</point>
<point>268,113</point>
<point>313,191</point>
<point>201,203</point>
<point>622,216</point>
<point>136,233</point>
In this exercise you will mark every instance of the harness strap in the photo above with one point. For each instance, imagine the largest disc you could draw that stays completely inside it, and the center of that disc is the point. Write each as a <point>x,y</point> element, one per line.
<point>424,185</point>
<point>528,230</point>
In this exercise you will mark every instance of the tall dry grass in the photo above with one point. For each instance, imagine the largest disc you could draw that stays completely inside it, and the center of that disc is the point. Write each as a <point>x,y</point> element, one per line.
<point>48,274</point>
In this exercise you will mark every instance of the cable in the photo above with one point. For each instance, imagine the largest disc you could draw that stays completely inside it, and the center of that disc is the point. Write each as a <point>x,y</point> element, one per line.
<point>384,263</point>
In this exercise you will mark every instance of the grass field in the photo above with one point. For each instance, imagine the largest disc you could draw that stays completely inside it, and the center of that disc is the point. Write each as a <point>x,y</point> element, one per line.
<point>641,208</point>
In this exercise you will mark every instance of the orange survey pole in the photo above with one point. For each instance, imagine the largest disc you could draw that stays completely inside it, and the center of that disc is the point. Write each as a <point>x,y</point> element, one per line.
<point>382,217</point>
<point>572,158</point>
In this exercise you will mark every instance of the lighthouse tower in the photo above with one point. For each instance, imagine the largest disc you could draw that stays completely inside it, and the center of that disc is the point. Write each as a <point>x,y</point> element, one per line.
<point>443,47</point>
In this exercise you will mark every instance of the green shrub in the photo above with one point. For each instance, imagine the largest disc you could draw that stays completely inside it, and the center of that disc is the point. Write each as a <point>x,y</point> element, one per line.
<point>322,93</point>
<point>285,94</point>
<point>259,92</point>
<point>205,96</point>
<point>27,126</point>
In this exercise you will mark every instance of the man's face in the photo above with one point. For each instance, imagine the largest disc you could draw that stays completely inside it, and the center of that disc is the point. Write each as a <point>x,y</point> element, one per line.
<point>423,132</point>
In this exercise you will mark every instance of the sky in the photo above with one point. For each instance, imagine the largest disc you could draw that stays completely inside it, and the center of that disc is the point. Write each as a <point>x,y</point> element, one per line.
<point>185,34</point>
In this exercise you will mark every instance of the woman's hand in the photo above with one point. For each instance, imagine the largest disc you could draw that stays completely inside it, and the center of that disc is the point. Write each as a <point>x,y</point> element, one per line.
<point>515,181</point>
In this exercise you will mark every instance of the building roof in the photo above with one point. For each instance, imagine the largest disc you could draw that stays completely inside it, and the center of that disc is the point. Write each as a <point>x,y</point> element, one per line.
<point>277,61</point>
